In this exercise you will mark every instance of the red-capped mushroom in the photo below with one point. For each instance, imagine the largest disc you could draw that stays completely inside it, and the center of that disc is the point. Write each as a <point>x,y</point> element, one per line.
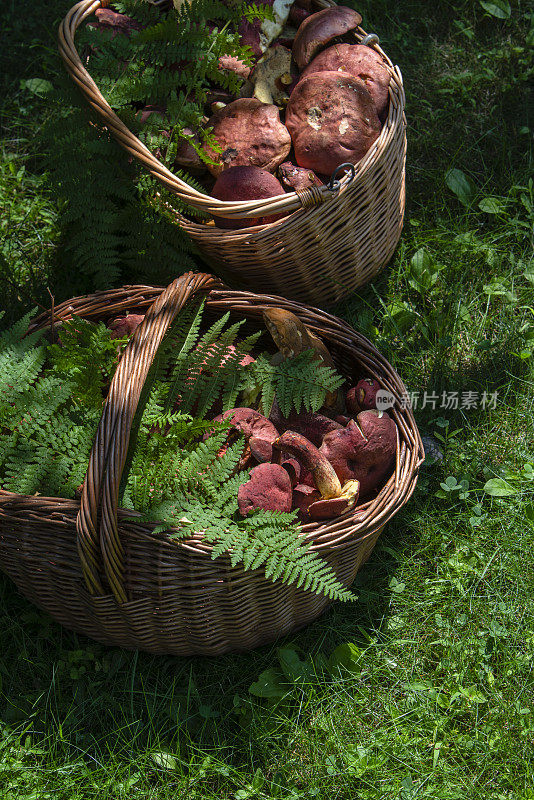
<point>259,433</point>
<point>332,119</point>
<point>250,423</point>
<point>235,65</point>
<point>125,326</point>
<point>250,134</point>
<point>362,397</point>
<point>115,22</point>
<point>268,488</point>
<point>312,425</point>
<point>246,183</point>
<point>295,178</point>
<point>292,467</point>
<point>361,62</point>
<point>320,28</point>
<point>303,497</point>
<point>297,15</point>
<point>364,450</point>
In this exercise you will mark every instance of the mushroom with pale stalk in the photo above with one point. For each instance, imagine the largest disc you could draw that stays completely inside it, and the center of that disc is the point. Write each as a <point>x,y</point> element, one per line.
<point>335,499</point>
<point>272,76</point>
<point>292,337</point>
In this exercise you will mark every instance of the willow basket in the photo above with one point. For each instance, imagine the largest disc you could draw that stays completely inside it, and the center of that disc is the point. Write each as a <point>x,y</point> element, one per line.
<point>331,242</point>
<point>97,570</point>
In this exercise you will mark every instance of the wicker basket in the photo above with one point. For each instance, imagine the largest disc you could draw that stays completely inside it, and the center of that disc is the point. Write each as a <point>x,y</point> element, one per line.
<point>97,570</point>
<point>334,239</point>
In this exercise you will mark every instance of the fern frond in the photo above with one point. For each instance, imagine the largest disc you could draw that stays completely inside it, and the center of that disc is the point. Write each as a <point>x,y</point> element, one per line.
<point>296,382</point>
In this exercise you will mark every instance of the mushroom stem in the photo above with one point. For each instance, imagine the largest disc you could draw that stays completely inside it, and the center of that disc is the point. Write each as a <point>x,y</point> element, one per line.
<point>311,459</point>
<point>291,336</point>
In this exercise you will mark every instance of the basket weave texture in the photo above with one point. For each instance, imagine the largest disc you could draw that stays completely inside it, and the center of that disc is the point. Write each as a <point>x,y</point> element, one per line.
<point>332,242</point>
<point>98,570</point>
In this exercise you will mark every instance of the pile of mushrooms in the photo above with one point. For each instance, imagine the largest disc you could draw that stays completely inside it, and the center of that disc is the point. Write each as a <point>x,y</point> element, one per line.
<point>316,463</point>
<point>311,100</point>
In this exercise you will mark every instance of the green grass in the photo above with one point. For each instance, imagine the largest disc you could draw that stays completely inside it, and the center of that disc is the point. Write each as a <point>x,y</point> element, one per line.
<point>437,697</point>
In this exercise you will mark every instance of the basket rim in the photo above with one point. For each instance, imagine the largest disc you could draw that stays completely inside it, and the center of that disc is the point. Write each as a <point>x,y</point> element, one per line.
<point>280,205</point>
<point>355,525</point>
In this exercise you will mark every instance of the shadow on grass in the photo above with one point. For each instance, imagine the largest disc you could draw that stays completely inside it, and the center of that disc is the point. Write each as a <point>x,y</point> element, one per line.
<point>104,699</point>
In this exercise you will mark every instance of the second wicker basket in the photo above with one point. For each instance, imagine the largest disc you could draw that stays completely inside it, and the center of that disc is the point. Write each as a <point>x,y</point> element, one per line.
<point>332,241</point>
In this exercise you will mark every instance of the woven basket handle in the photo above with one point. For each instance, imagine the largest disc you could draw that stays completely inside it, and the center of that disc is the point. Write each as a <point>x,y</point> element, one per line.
<point>98,538</point>
<point>282,204</point>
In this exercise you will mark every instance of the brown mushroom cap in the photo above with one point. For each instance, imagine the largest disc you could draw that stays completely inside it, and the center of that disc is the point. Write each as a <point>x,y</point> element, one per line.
<point>250,134</point>
<point>269,488</point>
<point>319,29</point>
<point>250,423</point>
<point>293,178</point>
<point>303,497</point>
<point>246,183</point>
<point>332,119</point>
<point>312,425</point>
<point>364,450</point>
<point>361,62</point>
<point>125,326</point>
<point>115,22</point>
<point>235,65</point>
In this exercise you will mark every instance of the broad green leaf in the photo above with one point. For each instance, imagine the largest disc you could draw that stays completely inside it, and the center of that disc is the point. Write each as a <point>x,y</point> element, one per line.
<point>497,8</point>
<point>473,694</point>
<point>37,86</point>
<point>293,668</point>
<point>269,684</point>
<point>492,205</point>
<point>529,512</point>
<point>164,760</point>
<point>346,656</point>
<point>423,271</point>
<point>418,686</point>
<point>461,185</point>
<point>498,487</point>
